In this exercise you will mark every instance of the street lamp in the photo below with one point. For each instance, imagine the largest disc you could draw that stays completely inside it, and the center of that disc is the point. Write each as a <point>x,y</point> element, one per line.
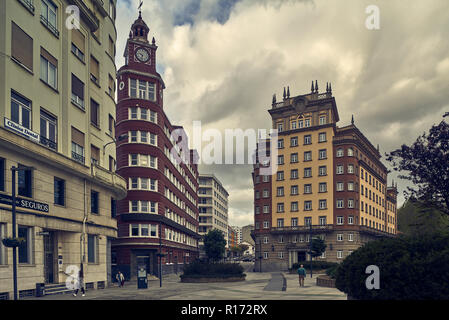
<point>14,234</point>
<point>120,138</point>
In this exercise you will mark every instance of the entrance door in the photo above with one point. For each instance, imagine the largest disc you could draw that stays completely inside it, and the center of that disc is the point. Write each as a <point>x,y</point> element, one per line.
<point>49,257</point>
<point>301,256</point>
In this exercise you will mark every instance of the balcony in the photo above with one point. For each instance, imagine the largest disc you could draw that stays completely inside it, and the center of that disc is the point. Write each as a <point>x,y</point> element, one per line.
<point>78,157</point>
<point>48,143</point>
<point>28,4</point>
<point>49,26</point>
<point>303,229</point>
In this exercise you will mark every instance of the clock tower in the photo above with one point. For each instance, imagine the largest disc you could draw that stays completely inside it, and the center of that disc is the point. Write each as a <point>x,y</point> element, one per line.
<point>160,211</point>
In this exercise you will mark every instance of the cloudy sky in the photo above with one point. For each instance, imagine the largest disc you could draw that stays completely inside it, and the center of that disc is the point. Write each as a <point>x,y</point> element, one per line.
<point>222,60</point>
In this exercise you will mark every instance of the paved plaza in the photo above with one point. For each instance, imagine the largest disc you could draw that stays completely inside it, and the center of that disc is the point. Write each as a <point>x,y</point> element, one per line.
<point>257,286</point>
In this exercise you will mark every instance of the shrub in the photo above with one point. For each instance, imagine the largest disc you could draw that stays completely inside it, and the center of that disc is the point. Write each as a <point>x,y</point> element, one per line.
<point>215,269</point>
<point>332,271</point>
<point>410,268</point>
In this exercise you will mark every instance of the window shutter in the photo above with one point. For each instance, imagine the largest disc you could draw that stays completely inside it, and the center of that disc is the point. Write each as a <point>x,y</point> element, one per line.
<point>49,57</point>
<point>78,137</point>
<point>95,68</point>
<point>77,87</point>
<point>78,39</point>
<point>94,112</point>
<point>22,46</point>
<point>95,153</point>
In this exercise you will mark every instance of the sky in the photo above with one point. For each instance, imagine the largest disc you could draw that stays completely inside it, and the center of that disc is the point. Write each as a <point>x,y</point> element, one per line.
<point>222,61</point>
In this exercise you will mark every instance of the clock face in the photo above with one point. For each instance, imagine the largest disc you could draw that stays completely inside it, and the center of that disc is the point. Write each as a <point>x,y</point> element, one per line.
<point>142,55</point>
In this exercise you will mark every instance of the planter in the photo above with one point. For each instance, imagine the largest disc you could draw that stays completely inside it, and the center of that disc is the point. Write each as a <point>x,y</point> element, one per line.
<point>325,281</point>
<point>13,243</point>
<point>207,279</point>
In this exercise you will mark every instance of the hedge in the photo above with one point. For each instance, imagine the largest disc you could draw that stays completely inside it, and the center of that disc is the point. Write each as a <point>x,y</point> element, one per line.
<point>410,268</point>
<point>213,269</point>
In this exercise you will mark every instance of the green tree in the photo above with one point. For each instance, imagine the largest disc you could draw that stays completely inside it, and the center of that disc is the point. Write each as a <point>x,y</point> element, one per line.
<point>416,219</point>
<point>426,165</point>
<point>318,247</point>
<point>214,245</point>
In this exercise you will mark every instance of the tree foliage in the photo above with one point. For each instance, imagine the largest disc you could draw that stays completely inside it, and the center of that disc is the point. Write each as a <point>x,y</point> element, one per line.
<point>410,268</point>
<point>214,245</point>
<point>426,165</point>
<point>318,247</point>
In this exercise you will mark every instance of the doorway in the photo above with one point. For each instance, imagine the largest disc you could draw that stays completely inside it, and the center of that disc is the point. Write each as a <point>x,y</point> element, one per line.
<point>143,262</point>
<point>301,256</point>
<point>49,257</point>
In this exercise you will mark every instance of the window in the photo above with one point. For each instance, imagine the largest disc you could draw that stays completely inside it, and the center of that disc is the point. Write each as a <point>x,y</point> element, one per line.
<point>95,155</point>
<point>350,168</point>
<point>265,255</point>
<point>94,197</point>
<point>294,174</point>
<point>294,190</point>
<point>78,44</point>
<point>322,171</point>
<point>351,220</point>
<point>265,178</point>
<point>3,252</point>
<point>307,156</point>
<point>48,130</point>
<point>294,158</point>
<point>2,174</point>
<point>340,220</point>
<point>307,205</point>
<point>20,110</point>
<point>92,248</point>
<point>111,125</point>
<point>266,225</point>
<point>77,92</point>
<point>266,194</point>
<point>339,237</point>
<point>340,152</point>
<point>323,204</point>
<point>142,89</point>
<point>59,186</point>
<point>293,125</point>
<point>307,188</point>
<point>280,191</point>
<point>111,86</point>
<point>322,221</point>
<point>340,254</point>
<point>280,127</point>
<point>265,240</point>
<point>25,182</point>
<point>293,141</point>
<point>280,159</point>
<point>350,237</point>
<point>49,69</point>
<point>280,143</point>
<point>323,187</point>
<point>49,16</point>
<point>281,255</point>
<point>111,48</point>
<point>21,47</point>
<point>113,208</point>
<point>294,206</point>
<point>340,169</point>
<point>307,172</point>
<point>322,120</point>
<point>350,186</point>
<point>350,152</point>
<point>77,145</point>
<point>322,154</point>
<point>294,222</point>
<point>266,209</point>
<point>308,139</point>
<point>280,207</point>
<point>307,221</point>
<point>280,175</point>
<point>307,122</point>
<point>340,186</point>
<point>25,250</point>
<point>322,137</point>
<point>111,10</point>
<point>340,204</point>
<point>94,113</point>
<point>94,70</point>
<point>280,223</point>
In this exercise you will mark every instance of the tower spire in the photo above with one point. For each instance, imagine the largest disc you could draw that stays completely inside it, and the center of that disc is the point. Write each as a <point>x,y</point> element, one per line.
<point>288,92</point>
<point>316,86</point>
<point>313,89</point>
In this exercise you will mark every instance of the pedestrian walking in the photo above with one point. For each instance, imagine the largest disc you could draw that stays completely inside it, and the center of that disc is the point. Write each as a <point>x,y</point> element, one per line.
<point>80,282</point>
<point>120,279</point>
<point>302,275</point>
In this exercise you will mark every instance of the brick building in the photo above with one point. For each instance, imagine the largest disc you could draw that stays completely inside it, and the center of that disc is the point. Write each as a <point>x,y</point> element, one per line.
<point>160,211</point>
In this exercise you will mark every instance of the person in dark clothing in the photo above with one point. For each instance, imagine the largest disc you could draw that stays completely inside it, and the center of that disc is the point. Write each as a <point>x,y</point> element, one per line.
<point>80,284</point>
<point>302,275</point>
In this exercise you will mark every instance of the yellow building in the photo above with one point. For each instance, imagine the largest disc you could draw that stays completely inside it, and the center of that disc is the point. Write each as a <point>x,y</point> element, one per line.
<point>57,125</point>
<point>330,183</point>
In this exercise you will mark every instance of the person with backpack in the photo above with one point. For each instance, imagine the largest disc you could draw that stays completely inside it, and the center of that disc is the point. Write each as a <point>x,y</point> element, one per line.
<point>302,275</point>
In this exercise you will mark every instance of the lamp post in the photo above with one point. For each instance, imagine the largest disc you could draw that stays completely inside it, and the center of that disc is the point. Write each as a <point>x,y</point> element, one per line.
<point>310,248</point>
<point>160,254</point>
<point>120,138</point>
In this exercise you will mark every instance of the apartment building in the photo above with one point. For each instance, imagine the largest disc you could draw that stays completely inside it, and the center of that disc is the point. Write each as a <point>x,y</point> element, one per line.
<point>330,183</point>
<point>160,211</point>
<point>213,206</point>
<point>57,128</point>
<point>238,231</point>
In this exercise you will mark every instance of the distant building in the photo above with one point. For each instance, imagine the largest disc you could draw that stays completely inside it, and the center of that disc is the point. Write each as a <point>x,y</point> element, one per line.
<point>238,230</point>
<point>213,206</point>
<point>232,237</point>
<point>246,234</point>
<point>330,183</point>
